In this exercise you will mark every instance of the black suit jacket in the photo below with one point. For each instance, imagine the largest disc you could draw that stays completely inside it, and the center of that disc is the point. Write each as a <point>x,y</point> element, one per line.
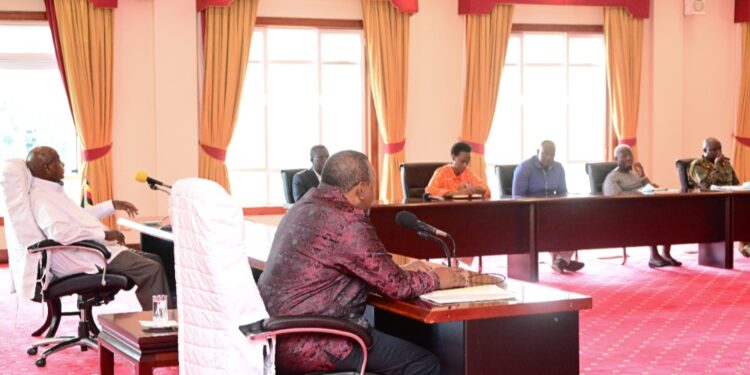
<point>302,182</point>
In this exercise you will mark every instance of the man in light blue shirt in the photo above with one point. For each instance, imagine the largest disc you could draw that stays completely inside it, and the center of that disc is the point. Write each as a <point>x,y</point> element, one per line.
<point>541,175</point>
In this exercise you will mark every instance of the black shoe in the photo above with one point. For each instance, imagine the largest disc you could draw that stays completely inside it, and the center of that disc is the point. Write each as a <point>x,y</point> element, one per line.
<point>658,263</point>
<point>574,266</point>
<point>559,265</point>
<point>672,261</point>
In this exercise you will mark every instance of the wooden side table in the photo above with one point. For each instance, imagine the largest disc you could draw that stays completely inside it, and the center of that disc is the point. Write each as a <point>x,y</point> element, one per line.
<point>122,334</point>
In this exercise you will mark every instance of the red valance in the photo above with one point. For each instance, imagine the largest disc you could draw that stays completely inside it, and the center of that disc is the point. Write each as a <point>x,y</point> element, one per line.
<point>104,3</point>
<point>638,8</point>
<point>406,6</point>
<point>741,11</point>
<point>203,4</point>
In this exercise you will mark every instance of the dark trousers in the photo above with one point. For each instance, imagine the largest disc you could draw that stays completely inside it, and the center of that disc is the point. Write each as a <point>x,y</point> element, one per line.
<point>391,355</point>
<point>146,272</point>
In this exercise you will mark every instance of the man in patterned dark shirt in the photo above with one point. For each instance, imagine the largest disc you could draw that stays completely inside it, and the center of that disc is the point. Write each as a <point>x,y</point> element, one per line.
<point>326,258</point>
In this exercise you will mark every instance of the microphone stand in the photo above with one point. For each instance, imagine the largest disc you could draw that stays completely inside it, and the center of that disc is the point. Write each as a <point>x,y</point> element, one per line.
<point>432,237</point>
<point>156,187</point>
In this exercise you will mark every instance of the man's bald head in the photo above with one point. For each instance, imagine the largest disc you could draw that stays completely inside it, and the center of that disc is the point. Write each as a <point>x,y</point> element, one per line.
<point>346,169</point>
<point>44,162</point>
<point>624,155</point>
<point>711,148</point>
<point>546,154</point>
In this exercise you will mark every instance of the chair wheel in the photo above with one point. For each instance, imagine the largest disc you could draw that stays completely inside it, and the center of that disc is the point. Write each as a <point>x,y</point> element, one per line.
<point>32,351</point>
<point>84,348</point>
<point>41,362</point>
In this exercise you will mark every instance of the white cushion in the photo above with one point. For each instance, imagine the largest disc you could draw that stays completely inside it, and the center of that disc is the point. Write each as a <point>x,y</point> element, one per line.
<point>216,292</point>
<point>20,228</point>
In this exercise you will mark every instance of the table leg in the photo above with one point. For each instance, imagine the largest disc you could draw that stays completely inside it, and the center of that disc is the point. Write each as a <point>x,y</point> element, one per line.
<point>144,368</point>
<point>716,254</point>
<point>523,267</point>
<point>106,361</point>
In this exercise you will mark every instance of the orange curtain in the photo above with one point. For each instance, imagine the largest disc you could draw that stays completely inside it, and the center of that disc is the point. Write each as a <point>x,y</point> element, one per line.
<point>86,45</point>
<point>623,38</point>
<point>742,128</point>
<point>486,43</point>
<point>387,38</point>
<point>228,34</point>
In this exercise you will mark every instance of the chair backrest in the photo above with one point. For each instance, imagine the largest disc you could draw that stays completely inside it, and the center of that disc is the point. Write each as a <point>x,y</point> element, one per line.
<point>216,292</point>
<point>20,227</point>
<point>597,173</point>
<point>286,183</point>
<point>505,178</point>
<point>415,177</point>
<point>683,166</point>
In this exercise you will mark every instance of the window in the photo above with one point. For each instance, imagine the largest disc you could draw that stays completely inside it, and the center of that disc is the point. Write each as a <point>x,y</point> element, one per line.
<point>553,87</point>
<point>34,108</point>
<point>304,86</point>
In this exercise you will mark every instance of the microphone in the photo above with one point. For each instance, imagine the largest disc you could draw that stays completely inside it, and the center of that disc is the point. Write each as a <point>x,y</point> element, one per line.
<point>407,219</point>
<point>142,176</point>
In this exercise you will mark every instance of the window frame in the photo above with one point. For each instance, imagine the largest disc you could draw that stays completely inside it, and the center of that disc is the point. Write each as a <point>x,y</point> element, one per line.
<point>370,140</point>
<point>519,30</point>
<point>41,62</point>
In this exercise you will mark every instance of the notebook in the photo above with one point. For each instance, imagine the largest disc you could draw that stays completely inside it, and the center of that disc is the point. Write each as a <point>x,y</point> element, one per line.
<point>466,196</point>
<point>470,294</point>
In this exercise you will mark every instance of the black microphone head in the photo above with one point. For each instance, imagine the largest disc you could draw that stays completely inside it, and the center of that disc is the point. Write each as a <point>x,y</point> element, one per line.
<point>406,219</point>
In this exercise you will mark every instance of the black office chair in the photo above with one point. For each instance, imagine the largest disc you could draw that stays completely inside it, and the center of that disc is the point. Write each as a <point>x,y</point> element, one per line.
<point>597,173</point>
<point>505,178</point>
<point>92,289</point>
<point>683,170</point>
<point>415,177</point>
<point>286,183</point>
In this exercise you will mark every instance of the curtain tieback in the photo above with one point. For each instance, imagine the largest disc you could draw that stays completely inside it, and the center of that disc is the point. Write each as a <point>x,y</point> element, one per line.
<point>216,153</point>
<point>394,148</point>
<point>628,141</point>
<point>95,153</point>
<point>743,140</point>
<point>477,148</point>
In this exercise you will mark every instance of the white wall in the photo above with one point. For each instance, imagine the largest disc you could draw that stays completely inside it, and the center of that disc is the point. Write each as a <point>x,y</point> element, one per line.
<point>691,81</point>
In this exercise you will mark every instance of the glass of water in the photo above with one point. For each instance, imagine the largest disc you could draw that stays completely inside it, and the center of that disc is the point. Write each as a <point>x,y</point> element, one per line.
<point>160,308</point>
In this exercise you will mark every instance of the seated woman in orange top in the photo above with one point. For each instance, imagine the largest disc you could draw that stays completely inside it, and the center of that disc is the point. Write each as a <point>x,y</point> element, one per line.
<point>457,178</point>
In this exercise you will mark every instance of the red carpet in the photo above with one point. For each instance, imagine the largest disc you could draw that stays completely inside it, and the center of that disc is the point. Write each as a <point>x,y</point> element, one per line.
<point>687,320</point>
<point>16,325</point>
<point>673,320</point>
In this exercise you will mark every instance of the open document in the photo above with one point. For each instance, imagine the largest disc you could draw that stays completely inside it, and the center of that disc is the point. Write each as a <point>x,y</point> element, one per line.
<point>743,187</point>
<point>470,294</point>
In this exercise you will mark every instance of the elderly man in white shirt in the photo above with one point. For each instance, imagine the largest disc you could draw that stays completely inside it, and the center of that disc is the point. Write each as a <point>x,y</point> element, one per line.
<point>61,220</point>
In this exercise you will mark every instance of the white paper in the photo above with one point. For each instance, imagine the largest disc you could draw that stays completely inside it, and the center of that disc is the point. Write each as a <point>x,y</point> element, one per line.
<point>470,294</point>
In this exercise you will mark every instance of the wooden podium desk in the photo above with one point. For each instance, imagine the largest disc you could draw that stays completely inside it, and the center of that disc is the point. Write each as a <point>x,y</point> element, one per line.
<point>523,227</point>
<point>537,333</point>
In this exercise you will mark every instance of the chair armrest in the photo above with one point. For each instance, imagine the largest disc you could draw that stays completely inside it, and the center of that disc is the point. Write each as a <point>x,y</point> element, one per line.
<point>88,245</point>
<point>311,322</point>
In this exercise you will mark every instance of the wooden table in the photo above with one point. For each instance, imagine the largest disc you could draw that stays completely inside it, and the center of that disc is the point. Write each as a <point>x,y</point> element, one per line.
<point>537,333</point>
<point>523,227</point>
<point>122,334</point>
<point>502,337</point>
